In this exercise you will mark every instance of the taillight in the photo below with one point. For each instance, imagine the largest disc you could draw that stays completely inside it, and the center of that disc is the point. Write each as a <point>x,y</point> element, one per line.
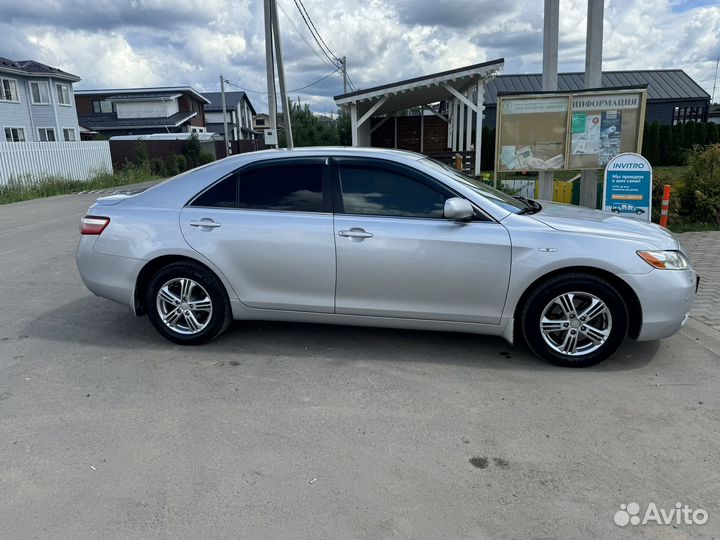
<point>93,224</point>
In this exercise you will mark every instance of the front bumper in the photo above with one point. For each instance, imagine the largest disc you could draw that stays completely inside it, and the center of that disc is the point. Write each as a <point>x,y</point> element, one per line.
<point>666,297</point>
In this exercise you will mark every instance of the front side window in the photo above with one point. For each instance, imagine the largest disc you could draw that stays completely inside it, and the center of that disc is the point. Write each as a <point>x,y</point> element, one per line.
<point>376,191</point>
<point>14,134</point>
<point>63,93</point>
<point>8,90</point>
<point>103,107</point>
<point>69,134</point>
<point>46,134</point>
<point>39,93</point>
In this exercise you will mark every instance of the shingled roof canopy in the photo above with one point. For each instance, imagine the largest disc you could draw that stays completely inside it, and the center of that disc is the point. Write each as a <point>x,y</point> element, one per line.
<point>31,68</point>
<point>668,84</point>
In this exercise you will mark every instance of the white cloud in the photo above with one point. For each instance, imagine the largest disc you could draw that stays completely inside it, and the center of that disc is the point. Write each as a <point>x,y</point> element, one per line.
<point>173,42</point>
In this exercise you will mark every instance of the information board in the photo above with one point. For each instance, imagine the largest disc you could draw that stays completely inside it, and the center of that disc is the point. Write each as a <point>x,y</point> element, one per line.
<point>568,130</point>
<point>627,188</point>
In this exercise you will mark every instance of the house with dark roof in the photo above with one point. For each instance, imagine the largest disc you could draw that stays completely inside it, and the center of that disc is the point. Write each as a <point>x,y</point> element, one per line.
<point>238,111</point>
<point>36,103</point>
<point>672,95</point>
<point>140,111</point>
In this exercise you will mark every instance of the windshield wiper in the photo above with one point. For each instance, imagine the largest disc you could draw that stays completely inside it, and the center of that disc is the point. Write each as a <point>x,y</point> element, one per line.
<point>531,207</point>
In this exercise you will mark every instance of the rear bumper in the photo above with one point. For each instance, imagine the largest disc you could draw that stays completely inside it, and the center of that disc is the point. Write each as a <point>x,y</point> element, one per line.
<point>109,276</point>
<point>666,297</point>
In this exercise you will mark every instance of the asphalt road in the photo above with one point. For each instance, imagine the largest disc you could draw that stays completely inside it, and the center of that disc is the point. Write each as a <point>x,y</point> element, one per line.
<point>304,431</point>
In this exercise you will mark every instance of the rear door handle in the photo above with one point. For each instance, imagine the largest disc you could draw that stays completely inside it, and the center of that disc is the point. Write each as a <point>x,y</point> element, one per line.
<point>204,223</point>
<point>355,232</point>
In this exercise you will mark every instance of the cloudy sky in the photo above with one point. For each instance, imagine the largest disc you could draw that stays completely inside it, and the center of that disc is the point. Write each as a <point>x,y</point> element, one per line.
<point>135,43</point>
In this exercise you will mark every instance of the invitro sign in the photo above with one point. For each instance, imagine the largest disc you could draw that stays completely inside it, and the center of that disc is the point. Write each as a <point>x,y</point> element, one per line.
<point>628,186</point>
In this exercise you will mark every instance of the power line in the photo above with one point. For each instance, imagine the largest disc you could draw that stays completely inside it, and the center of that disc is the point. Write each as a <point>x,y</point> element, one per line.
<point>302,36</point>
<point>316,31</point>
<point>332,58</point>
<point>289,91</point>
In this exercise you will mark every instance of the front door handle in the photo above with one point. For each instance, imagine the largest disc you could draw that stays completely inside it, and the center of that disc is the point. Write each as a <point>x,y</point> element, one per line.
<point>355,232</point>
<point>205,222</point>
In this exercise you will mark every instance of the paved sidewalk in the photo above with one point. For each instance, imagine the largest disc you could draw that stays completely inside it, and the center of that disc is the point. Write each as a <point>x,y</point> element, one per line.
<point>704,248</point>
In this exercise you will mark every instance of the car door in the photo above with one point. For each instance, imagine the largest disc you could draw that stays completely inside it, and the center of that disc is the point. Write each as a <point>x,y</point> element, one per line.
<point>268,227</point>
<point>397,256</point>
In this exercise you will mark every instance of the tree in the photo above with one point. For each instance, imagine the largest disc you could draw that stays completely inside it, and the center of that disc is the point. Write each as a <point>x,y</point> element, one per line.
<point>701,134</point>
<point>192,151</point>
<point>713,133</point>
<point>651,143</point>
<point>310,129</point>
<point>678,134</point>
<point>666,146</point>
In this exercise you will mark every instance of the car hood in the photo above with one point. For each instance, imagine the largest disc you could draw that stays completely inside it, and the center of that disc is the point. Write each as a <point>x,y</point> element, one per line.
<point>577,219</point>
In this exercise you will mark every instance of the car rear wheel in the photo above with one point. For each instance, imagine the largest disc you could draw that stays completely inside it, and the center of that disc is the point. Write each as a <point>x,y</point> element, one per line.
<point>575,320</point>
<point>187,304</point>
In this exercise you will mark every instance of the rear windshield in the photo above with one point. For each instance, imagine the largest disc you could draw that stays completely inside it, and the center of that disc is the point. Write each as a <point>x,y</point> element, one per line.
<point>498,197</point>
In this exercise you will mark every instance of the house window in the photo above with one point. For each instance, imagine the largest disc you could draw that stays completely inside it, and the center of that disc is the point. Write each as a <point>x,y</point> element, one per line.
<point>39,93</point>
<point>103,107</point>
<point>46,134</point>
<point>259,122</point>
<point>69,134</point>
<point>14,134</point>
<point>63,94</point>
<point>8,90</point>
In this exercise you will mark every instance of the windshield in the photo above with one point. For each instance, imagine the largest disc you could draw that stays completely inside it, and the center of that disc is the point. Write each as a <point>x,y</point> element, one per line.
<point>498,197</point>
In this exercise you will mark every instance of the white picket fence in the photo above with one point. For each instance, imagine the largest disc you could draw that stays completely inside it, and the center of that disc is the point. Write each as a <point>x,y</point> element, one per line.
<point>77,160</point>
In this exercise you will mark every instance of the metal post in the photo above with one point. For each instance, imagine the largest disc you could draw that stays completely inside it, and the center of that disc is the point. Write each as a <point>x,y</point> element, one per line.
<point>461,126</point>
<point>422,129</point>
<point>551,24</point>
<point>270,67</point>
<point>344,74</point>
<point>228,147</point>
<point>478,125</point>
<point>593,79</point>
<point>354,123</point>
<point>281,73</point>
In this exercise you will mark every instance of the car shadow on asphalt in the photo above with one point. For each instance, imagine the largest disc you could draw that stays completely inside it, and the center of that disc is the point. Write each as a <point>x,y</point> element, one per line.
<point>95,322</point>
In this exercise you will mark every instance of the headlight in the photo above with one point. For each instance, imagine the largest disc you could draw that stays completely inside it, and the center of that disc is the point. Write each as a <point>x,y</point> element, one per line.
<point>664,260</point>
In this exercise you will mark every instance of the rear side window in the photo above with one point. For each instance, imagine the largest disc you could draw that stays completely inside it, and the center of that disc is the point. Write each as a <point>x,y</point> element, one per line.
<point>380,192</point>
<point>284,187</point>
<point>221,195</point>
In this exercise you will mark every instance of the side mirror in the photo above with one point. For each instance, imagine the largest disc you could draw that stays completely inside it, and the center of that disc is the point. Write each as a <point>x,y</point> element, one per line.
<point>458,209</point>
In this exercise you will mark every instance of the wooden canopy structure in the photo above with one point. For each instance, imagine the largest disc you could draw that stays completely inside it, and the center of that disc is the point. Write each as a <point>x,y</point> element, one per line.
<point>462,89</point>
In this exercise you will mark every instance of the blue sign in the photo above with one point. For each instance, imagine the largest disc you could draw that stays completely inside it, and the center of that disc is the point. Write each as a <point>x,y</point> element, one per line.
<point>628,186</point>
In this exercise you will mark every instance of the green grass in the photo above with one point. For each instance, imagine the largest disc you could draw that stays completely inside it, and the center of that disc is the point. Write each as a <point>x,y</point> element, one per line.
<point>26,188</point>
<point>693,227</point>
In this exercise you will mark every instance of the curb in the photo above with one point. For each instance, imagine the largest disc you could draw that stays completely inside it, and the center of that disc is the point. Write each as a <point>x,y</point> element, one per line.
<point>703,328</point>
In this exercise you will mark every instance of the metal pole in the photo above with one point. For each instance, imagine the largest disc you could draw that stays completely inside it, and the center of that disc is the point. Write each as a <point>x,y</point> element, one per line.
<point>228,147</point>
<point>344,73</point>
<point>593,79</point>
<point>551,25</point>
<point>281,73</point>
<point>712,100</point>
<point>270,68</point>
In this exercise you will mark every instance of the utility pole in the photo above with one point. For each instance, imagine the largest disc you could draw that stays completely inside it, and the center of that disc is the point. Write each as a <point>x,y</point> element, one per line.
<point>593,79</point>
<point>343,63</point>
<point>228,147</point>
<point>551,24</point>
<point>712,100</point>
<point>270,67</point>
<point>281,73</point>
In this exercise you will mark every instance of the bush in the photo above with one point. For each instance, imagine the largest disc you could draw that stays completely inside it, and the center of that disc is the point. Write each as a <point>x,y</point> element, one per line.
<point>157,167</point>
<point>182,164</point>
<point>205,157</point>
<point>140,154</point>
<point>651,143</point>
<point>700,192</point>
<point>171,165</point>
<point>193,150</point>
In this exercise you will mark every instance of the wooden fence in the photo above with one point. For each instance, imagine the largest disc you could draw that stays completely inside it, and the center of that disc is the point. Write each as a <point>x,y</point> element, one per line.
<point>77,160</point>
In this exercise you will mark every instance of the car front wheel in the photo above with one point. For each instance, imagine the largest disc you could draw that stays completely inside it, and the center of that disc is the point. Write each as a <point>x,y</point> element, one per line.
<point>575,320</point>
<point>187,304</point>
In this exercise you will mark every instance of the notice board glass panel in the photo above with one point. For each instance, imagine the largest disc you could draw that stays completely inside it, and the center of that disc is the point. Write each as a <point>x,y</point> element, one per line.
<point>532,133</point>
<point>603,126</point>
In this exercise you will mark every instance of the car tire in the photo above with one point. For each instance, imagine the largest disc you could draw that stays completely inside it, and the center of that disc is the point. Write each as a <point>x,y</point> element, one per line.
<point>188,304</point>
<point>574,320</point>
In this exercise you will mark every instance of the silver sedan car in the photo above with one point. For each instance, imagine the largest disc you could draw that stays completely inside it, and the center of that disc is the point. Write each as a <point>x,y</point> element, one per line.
<point>382,238</point>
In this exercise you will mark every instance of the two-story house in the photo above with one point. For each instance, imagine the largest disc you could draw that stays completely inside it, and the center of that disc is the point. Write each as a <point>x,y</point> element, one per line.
<point>36,103</point>
<point>141,111</point>
<point>238,111</point>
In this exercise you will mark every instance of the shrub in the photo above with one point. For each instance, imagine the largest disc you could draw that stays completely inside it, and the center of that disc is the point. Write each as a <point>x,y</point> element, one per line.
<point>205,157</point>
<point>700,193</point>
<point>651,143</point>
<point>182,164</point>
<point>157,167</point>
<point>193,150</point>
<point>140,154</point>
<point>171,165</point>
